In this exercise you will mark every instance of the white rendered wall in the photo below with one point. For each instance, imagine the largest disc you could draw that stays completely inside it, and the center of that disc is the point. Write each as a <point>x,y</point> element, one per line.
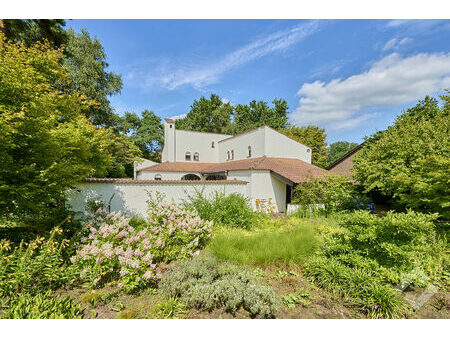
<point>130,198</point>
<point>142,164</point>
<point>168,152</point>
<point>189,141</point>
<point>240,143</point>
<point>264,186</point>
<point>279,145</point>
<point>172,176</point>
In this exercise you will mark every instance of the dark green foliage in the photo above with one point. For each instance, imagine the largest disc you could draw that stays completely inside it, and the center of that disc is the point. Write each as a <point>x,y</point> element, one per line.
<point>337,150</point>
<point>409,163</point>
<point>209,115</point>
<point>232,210</point>
<point>145,132</point>
<point>204,283</point>
<point>42,306</point>
<point>258,113</point>
<point>31,31</point>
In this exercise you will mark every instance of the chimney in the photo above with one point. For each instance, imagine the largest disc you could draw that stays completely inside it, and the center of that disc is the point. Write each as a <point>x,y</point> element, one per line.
<point>168,153</point>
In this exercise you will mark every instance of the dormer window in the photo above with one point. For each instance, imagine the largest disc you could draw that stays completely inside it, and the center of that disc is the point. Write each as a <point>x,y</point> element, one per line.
<point>232,154</point>
<point>187,157</point>
<point>196,157</point>
<point>228,155</point>
<point>249,151</point>
<point>212,144</point>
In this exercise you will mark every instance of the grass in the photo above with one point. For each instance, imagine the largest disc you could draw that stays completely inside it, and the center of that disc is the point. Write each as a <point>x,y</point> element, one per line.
<point>293,243</point>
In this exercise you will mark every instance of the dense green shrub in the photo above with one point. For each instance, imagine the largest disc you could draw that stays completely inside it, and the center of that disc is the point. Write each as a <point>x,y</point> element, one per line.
<point>204,283</point>
<point>371,253</point>
<point>399,242</point>
<point>330,191</point>
<point>35,266</point>
<point>41,306</point>
<point>111,246</point>
<point>233,210</point>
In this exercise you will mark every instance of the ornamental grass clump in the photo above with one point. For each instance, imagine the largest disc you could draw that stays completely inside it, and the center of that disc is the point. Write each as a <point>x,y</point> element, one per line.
<point>113,249</point>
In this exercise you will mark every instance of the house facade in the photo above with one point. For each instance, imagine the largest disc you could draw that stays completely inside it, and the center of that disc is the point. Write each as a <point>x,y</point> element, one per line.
<point>261,164</point>
<point>269,162</point>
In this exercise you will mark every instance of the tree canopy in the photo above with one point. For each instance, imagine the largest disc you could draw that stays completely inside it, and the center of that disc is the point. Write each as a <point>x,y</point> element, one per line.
<point>208,115</point>
<point>85,61</point>
<point>146,132</point>
<point>258,113</point>
<point>30,31</point>
<point>338,149</point>
<point>46,142</point>
<point>410,161</point>
<point>313,137</point>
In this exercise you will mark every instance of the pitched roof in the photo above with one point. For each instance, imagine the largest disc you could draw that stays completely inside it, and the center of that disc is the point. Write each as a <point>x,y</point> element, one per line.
<point>132,181</point>
<point>348,154</point>
<point>294,170</point>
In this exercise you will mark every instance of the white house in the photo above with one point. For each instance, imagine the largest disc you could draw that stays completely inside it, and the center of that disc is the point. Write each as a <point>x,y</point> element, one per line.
<point>261,164</point>
<point>269,161</point>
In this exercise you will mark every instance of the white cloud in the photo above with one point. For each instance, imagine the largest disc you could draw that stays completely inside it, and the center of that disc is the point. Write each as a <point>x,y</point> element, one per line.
<point>171,75</point>
<point>389,82</point>
<point>396,43</point>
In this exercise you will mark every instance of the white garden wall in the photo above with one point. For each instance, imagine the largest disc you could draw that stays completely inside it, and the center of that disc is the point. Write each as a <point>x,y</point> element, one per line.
<point>130,198</point>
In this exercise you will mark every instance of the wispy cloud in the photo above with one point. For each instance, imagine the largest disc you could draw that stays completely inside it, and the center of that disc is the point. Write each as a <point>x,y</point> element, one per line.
<point>171,75</point>
<point>394,43</point>
<point>390,82</point>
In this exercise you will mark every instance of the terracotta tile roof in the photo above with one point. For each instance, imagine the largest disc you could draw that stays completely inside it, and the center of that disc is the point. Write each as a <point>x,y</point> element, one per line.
<point>292,169</point>
<point>131,181</point>
<point>169,120</point>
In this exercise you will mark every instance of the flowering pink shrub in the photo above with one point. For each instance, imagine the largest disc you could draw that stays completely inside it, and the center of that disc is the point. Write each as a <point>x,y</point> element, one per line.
<point>111,246</point>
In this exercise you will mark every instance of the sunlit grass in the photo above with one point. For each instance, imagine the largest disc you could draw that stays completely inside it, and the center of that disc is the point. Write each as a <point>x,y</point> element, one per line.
<point>281,241</point>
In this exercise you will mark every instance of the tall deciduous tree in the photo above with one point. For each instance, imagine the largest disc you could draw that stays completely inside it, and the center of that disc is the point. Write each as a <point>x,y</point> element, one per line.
<point>258,113</point>
<point>85,60</point>
<point>31,31</point>
<point>46,142</point>
<point>410,161</point>
<point>146,132</point>
<point>315,138</point>
<point>339,149</point>
<point>209,115</point>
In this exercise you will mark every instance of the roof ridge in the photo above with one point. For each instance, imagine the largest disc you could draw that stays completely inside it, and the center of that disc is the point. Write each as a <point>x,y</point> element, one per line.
<point>258,162</point>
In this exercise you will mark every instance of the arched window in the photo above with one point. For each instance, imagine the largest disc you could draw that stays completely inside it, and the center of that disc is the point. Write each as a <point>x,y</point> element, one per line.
<point>228,155</point>
<point>249,151</point>
<point>190,177</point>
<point>187,156</point>
<point>212,144</point>
<point>232,154</point>
<point>157,177</point>
<point>196,157</point>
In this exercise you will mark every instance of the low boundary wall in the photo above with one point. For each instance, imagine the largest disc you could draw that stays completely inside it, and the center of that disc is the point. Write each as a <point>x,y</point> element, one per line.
<point>130,196</point>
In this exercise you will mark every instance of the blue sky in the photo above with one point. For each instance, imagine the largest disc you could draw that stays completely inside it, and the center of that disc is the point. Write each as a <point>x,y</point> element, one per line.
<point>352,77</point>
